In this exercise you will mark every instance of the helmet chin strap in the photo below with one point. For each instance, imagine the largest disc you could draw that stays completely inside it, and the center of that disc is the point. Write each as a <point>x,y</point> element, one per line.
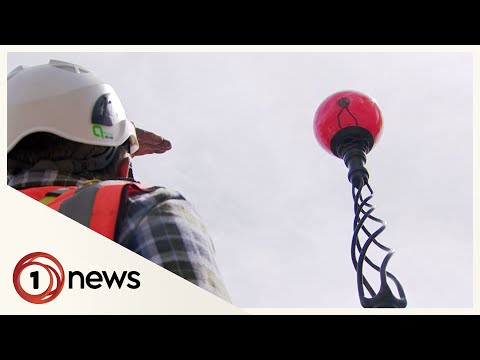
<point>124,169</point>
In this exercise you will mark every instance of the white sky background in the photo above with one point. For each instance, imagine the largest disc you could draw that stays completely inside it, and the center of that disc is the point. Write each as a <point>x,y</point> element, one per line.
<point>277,206</point>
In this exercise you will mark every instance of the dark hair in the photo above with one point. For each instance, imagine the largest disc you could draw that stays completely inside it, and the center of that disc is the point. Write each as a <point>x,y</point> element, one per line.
<point>50,152</point>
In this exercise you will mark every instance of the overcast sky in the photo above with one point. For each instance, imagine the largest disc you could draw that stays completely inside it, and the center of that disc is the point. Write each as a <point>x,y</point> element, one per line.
<point>277,206</point>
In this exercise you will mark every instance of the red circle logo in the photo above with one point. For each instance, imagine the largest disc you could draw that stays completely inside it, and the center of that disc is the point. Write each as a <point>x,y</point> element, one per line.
<point>56,277</point>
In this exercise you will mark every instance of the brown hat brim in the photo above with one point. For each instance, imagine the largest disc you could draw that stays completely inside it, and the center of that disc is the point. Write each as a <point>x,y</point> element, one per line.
<point>150,143</point>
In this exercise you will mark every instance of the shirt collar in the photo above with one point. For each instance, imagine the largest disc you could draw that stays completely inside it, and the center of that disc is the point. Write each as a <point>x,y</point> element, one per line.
<point>27,179</point>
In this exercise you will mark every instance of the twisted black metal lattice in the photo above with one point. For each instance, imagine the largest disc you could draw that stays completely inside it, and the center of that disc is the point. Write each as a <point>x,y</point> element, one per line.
<point>384,298</point>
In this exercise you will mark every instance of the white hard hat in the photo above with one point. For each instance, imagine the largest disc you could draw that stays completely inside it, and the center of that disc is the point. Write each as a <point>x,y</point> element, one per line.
<point>66,100</point>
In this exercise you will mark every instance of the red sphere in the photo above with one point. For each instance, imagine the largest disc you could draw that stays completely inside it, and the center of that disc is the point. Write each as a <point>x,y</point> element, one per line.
<point>344,109</point>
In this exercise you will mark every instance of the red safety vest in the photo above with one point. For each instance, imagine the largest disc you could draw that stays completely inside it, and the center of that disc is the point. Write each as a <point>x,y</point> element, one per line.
<point>96,206</point>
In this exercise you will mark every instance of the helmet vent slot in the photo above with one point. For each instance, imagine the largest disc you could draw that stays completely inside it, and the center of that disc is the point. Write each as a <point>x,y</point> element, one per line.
<point>70,68</point>
<point>15,72</point>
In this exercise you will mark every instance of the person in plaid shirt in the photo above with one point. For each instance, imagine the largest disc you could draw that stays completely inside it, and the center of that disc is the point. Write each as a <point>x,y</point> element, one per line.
<point>69,139</point>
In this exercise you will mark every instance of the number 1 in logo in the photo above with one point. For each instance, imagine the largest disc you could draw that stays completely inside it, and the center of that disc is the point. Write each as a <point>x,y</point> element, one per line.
<point>45,261</point>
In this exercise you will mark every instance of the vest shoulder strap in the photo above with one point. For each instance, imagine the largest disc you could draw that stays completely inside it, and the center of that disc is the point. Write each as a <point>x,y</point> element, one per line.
<point>50,195</point>
<point>96,206</point>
